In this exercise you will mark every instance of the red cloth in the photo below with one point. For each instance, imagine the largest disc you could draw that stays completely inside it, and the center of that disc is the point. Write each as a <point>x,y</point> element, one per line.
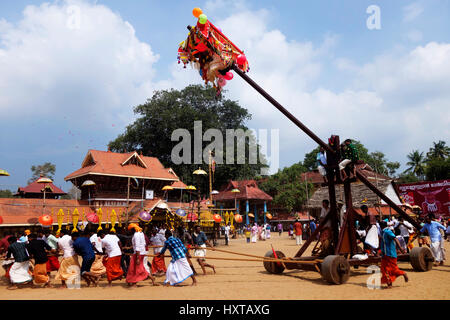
<point>136,272</point>
<point>389,270</point>
<point>298,228</point>
<point>158,264</point>
<point>52,264</point>
<point>113,269</point>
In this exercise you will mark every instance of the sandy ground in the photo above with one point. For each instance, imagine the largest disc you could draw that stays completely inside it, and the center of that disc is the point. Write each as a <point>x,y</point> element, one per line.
<point>236,280</point>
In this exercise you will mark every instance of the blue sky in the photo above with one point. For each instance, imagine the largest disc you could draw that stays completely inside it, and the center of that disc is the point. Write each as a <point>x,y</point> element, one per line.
<point>65,90</point>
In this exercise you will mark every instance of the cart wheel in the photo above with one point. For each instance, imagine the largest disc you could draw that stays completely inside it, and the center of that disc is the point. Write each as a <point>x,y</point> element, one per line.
<point>335,269</point>
<point>274,267</point>
<point>421,258</point>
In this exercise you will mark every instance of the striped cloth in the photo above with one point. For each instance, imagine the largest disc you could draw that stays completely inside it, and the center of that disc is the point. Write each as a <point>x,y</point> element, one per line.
<point>176,248</point>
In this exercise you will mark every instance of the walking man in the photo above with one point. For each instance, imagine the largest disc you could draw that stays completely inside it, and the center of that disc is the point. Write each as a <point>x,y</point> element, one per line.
<point>298,232</point>
<point>389,267</point>
<point>437,242</point>
<point>200,241</point>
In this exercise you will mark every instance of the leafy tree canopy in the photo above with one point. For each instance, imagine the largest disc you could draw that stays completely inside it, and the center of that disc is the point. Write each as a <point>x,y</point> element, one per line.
<point>169,110</point>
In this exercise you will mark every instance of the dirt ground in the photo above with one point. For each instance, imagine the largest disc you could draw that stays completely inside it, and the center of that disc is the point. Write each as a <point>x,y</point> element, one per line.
<point>239,280</point>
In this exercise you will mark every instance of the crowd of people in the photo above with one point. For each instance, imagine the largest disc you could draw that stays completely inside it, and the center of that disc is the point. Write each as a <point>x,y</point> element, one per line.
<point>29,259</point>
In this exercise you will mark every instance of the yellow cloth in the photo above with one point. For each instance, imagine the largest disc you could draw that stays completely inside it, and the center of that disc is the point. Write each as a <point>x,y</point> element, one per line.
<point>68,269</point>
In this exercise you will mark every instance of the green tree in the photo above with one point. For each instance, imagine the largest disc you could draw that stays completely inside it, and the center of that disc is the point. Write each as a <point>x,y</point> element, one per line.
<point>416,164</point>
<point>438,169</point>
<point>168,110</point>
<point>287,188</point>
<point>6,194</point>
<point>392,167</point>
<point>439,150</point>
<point>407,177</point>
<point>47,170</point>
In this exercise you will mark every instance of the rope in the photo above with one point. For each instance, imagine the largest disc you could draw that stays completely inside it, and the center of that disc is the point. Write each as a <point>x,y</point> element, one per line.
<point>266,259</point>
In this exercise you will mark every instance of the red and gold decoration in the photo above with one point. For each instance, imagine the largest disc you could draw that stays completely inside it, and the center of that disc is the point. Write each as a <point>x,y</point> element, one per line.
<point>238,218</point>
<point>217,218</point>
<point>208,50</point>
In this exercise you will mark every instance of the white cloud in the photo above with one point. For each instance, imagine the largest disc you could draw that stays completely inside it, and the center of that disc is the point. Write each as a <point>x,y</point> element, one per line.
<point>397,102</point>
<point>73,58</point>
<point>412,11</point>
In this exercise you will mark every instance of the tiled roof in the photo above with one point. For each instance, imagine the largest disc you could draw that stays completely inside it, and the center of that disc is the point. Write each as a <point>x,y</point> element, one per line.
<point>35,187</point>
<point>249,190</point>
<point>121,164</point>
<point>178,185</point>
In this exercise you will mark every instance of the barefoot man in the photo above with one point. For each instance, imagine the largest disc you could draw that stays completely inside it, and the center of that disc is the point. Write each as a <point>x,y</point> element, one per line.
<point>389,267</point>
<point>200,241</point>
<point>178,269</point>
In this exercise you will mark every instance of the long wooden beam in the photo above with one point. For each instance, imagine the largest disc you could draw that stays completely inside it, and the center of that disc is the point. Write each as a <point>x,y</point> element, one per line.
<point>386,199</point>
<point>282,109</point>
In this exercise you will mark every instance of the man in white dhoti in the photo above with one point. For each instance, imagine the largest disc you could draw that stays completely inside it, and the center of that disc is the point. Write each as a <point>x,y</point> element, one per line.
<point>19,273</point>
<point>437,242</point>
<point>178,269</point>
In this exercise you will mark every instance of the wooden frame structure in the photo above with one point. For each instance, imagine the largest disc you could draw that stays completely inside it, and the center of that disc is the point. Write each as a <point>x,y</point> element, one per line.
<point>334,267</point>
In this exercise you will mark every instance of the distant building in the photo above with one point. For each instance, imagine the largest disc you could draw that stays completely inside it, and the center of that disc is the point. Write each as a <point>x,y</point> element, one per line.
<point>35,190</point>
<point>249,200</point>
<point>121,177</point>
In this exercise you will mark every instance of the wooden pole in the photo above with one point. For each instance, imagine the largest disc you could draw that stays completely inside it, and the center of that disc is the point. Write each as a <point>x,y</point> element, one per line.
<point>282,109</point>
<point>386,199</point>
<point>128,197</point>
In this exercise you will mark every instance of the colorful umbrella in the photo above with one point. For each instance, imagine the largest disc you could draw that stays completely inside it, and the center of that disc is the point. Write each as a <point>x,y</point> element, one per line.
<point>181,212</point>
<point>145,216</point>
<point>45,220</point>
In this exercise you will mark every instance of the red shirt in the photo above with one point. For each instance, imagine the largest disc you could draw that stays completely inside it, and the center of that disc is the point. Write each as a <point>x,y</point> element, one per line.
<point>298,228</point>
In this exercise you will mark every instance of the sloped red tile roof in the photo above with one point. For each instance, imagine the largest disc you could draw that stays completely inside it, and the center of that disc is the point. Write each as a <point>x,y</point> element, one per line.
<point>111,163</point>
<point>178,185</point>
<point>35,187</point>
<point>249,190</point>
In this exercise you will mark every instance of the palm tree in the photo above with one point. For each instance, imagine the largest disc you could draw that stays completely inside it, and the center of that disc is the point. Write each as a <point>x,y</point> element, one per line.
<point>416,163</point>
<point>438,151</point>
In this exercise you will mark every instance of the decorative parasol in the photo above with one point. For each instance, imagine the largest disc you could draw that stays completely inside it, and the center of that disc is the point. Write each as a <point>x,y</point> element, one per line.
<point>238,218</point>
<point>251,215</point>
<point>191,188</point>
<point>44,180</point>
<point>235,190</point>
<point>3,173</point>
<point>165,188</point>
<point>180,212</point>
<point>192,217</point>
<point>269,216</point>
<point>199,171</point>
<point>145,216</point>
<point>45,220</point>
<point>88,183</point>
<point>217,218</point>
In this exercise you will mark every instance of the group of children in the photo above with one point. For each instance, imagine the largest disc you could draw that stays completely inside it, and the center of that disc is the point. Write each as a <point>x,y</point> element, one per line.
<point>31,258</point>
<point>257,232</point>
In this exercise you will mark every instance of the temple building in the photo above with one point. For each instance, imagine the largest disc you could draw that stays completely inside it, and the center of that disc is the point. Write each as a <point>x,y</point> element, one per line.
<point>249,200</point>
<point>121,178</point>
<point>35,190</point>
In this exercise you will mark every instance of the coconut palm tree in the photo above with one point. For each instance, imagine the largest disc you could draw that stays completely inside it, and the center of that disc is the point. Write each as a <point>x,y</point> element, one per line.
<point>416,163</point>
<point>438,151</point>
